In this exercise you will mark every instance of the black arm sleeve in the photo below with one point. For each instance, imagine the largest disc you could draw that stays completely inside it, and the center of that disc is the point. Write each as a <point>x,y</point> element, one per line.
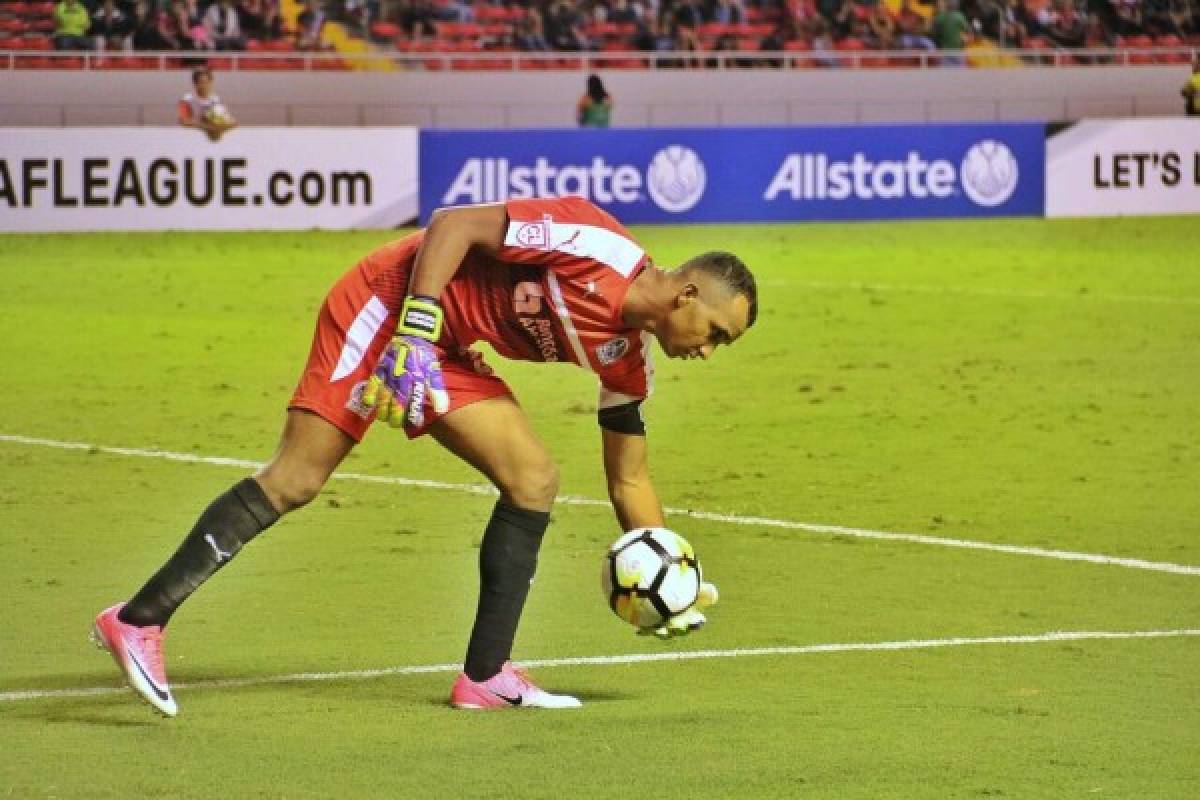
<point>625,418</point>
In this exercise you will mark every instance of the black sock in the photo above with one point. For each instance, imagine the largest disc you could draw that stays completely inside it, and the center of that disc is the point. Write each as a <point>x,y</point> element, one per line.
<point>507,561</point>
<point>232,520</point>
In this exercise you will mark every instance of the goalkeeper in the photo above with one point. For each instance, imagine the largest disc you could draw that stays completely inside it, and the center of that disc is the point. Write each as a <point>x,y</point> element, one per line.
<point>538,280</point>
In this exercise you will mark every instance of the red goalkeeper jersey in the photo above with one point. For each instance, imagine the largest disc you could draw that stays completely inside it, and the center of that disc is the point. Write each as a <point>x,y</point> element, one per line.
<point>553,293</point>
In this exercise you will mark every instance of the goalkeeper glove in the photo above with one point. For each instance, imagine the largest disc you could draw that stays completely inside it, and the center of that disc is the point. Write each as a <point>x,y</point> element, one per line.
<point>687,621</point>
<point>408,372</point>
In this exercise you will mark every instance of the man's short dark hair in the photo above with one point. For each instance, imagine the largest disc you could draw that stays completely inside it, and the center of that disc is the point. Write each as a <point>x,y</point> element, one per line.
<point>198,71</point>
<point>729,269</point>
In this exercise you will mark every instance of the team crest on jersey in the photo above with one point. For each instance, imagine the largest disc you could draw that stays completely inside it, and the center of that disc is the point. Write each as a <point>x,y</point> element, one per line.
<point>535,234</point>
<point>612,350</point>
<point>355,403</point>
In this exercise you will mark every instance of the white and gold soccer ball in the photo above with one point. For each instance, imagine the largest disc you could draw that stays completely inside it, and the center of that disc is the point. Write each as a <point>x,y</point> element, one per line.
<point>217,114</point>
<point>650,575</point>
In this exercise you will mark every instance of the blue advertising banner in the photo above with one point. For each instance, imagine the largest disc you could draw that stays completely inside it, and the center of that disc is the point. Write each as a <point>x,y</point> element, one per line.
<point>748,174</point>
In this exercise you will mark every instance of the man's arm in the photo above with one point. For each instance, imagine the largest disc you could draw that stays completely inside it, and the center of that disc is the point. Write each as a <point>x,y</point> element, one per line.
<point>451,233</point>
<point>408,373</point>
<point>629,487</point>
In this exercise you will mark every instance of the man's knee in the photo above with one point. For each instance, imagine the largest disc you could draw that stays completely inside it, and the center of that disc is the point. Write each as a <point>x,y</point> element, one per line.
<point>533,486</point>
<point>290,489</point>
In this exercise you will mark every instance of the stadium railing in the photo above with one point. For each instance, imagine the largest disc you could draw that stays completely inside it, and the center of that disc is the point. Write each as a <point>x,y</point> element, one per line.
<point>477,60</point>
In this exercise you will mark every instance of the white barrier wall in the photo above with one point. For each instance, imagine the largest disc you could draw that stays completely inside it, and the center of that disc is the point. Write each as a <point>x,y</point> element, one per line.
<point>707,98</point>
<point>80,179</point>
<point>1105,168</point>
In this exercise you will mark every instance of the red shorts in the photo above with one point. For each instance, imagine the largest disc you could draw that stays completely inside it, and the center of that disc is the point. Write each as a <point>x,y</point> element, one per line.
<point>353,327</point>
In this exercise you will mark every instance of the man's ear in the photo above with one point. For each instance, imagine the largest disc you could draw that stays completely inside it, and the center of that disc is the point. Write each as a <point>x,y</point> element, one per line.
<point>688,293</point>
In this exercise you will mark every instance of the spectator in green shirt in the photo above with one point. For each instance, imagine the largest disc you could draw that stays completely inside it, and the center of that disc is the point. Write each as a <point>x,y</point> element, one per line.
<point>595,107</point>
<point>951,31</point>
<point>71,23</point>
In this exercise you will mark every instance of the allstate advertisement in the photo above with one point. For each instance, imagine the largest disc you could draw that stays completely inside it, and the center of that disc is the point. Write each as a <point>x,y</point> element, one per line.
<point>90,179</point>
<point>748,174</point>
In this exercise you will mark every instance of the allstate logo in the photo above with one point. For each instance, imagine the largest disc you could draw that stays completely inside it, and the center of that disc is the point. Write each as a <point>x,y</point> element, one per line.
<point>989,173</point>
<point>675,178</point>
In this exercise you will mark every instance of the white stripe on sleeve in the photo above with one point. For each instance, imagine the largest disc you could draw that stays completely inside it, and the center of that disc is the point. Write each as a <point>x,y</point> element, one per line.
<point>582,241</point>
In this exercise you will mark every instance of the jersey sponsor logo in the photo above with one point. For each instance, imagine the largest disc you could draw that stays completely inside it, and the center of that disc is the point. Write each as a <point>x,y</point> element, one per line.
<point>535,234</point>
<point>987,175</point>
<point>541,331</point>
<point>611,351</point>
<point>533,315</point>
<point>676,179</point>
<point>355,402</point>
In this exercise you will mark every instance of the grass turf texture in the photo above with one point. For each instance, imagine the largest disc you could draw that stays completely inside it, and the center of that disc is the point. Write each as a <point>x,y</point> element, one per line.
<point>1021,382</point>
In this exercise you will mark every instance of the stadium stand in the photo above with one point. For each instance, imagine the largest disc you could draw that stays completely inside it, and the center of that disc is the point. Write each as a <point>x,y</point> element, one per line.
<point>609,34</point>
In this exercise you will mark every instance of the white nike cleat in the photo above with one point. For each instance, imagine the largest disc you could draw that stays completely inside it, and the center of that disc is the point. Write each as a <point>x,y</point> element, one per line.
<point>508,688</point>
<point>138,652</point>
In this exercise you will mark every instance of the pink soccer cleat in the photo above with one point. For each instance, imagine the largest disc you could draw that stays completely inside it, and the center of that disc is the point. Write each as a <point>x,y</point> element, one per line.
<point>509,688</point>
<point>138,652</point>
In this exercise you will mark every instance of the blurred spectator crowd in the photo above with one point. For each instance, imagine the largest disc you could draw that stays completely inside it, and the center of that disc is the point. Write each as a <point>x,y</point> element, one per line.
<point>636,27</point>
<point>159,25</point>
<point>772,25</point>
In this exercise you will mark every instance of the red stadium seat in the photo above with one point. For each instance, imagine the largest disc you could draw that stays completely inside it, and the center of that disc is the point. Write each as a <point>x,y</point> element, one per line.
<point>384,31</point>
<point>602,30</point>
<point>850,46</point>
<point>801,46</point>
<point>1137,43</point>
<point>70,62</point>
<point>32,62</point>
<point>714,30</point>
<point>329,64</point>
<point>1174,42</point>
<point>459,30</point>
<point>623,58</point>
<point>486,13</point>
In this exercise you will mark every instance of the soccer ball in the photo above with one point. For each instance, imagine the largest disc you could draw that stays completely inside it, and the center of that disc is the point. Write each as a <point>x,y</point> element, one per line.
<point>650,574</point>
<point>217,115</point>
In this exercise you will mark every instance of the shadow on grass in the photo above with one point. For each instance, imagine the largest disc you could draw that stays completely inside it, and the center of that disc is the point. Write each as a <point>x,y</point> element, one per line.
<point>116,711</point>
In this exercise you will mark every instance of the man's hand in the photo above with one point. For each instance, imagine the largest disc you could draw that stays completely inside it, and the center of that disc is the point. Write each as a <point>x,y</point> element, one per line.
<point>408,372</point>
<point>692,619</point>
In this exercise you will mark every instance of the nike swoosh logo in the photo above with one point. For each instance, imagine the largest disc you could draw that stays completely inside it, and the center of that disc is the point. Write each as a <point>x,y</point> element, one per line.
<point>162,695</point>
<point>512,701</point>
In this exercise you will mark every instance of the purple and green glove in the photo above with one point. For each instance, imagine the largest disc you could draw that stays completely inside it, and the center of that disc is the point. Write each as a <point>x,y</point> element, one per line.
<point>408,373</point>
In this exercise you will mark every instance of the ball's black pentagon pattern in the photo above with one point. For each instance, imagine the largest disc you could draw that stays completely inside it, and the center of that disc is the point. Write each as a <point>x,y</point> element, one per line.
<point>652,592</point>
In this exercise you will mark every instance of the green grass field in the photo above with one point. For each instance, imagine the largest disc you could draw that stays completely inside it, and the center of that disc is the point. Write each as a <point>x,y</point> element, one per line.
<point>1025,383</point>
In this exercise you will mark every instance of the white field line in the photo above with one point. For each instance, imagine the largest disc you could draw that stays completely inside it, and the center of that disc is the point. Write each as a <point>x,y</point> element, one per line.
<point>633,658</point>
<point>1023,294</point>
<point>572,500</point>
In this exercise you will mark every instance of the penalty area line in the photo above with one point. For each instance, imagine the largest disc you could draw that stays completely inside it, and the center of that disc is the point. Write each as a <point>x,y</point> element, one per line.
<point>632,658</point>
<point>709,516</point>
